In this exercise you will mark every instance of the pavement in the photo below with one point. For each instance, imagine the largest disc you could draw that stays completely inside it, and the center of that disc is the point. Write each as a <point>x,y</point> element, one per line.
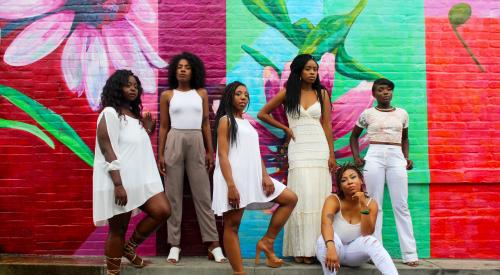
<point>90,265</point>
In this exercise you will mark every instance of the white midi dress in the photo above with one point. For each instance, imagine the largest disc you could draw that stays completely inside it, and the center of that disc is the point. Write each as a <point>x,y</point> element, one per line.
<point>246,167</point>
<point>310,178</point>
<point>138,170</point>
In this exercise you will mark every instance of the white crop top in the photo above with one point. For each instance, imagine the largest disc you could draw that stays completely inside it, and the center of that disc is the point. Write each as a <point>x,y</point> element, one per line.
<point>384,126</point>
<point>345,230</point>
<point>186,110</point>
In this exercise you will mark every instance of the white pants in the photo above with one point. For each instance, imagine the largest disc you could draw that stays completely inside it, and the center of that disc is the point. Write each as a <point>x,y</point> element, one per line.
<point>357,252</point>
<point>387,163</point>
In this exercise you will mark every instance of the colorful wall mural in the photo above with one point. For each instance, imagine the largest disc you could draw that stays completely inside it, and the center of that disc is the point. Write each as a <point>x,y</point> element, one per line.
<point>443,56</point>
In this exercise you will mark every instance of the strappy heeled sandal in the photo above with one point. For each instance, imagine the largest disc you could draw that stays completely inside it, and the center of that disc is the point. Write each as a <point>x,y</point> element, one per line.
<point>131,255</point>
<point>271,259</point>
<point>115,266</point>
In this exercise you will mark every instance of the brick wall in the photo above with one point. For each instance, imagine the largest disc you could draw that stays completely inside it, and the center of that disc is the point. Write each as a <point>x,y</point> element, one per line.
<point>45,163</point>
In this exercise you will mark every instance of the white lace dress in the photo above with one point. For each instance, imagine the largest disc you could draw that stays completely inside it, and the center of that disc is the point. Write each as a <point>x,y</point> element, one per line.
<point>246,168</point>
<point>309,177</point>
<point>138,170</point>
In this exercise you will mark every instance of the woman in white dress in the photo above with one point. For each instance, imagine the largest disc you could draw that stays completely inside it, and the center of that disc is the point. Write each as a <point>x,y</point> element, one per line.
<point>310,153</point>
<point>240,178</point>
<point>125,173</point>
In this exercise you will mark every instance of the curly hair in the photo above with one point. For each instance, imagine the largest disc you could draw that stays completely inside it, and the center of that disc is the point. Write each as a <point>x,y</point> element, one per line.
<point>112,93</point>
<point>340,172</point>
<point>226,108</point>
<point>293,84</point>
<point>197,70</point>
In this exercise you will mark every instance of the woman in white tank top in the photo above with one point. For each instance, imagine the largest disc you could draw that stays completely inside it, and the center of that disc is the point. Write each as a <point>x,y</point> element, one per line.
<point>185,143</point>
<point>347,222</point>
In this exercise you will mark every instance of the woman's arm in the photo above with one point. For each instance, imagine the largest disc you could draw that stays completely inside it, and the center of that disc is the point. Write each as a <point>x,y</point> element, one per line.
<point>265,113</point>
<point>368,220</point>
<point>205,127</point>
<point>164,128</point>
<point>107,123</point>
<point>354,143</point>
<point>326,123</point>
<point>405,146</point>
<point>225,165</point>
<point>330,208</point>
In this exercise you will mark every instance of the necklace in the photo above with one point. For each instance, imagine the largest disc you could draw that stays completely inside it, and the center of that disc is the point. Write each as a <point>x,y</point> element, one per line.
<point>390,109</point>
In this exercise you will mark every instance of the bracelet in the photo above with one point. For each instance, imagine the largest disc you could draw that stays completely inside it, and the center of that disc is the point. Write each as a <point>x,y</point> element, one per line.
<point>148,130</point>
<point>327,241</point>
<point>365,212</point>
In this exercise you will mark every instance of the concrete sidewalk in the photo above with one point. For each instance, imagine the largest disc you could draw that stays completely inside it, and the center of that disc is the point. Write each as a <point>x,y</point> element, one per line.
<point>78,265</point>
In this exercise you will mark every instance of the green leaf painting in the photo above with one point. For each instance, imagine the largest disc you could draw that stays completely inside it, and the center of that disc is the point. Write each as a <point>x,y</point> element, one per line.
<point>50,121</point>
<point>5,123</point>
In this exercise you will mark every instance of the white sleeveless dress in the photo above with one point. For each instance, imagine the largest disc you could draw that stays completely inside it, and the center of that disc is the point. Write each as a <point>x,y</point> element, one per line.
<point>246,167</point>
<point>309,177</point>
<point>138,170</point>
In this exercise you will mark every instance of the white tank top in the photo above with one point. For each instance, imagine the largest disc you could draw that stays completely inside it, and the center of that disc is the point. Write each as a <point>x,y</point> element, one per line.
<point>186,110</point>
<point>345,230</point>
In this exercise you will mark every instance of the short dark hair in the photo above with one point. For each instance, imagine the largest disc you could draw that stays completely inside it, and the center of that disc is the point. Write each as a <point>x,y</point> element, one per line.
<point>382,81</point>
<point>197,70</point>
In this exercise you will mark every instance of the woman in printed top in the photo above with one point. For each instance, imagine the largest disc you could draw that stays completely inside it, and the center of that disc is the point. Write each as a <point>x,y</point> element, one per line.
<point>387,160</point>
<point>347,222</point>
<point>186,144</point>
<point>125,177</point>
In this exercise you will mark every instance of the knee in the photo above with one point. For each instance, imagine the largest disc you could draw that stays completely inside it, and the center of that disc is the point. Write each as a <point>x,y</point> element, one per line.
<point>292,199</point>
<point>370,241</point>
<point>232,227</point>
<point>402,209</point>
<point>161,215</point>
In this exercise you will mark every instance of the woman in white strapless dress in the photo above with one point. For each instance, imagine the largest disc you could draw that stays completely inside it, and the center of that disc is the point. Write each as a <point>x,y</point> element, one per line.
<point>240,179</point>
<point>310,153</point>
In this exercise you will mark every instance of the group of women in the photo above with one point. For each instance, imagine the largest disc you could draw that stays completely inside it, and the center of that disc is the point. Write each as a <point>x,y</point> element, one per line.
<point>334,228</point>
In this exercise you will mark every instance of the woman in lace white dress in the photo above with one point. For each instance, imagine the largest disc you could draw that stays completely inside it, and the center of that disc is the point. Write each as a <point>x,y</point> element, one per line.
<point>240,178</point>
<point>310,153</point>
<point>125,177</point>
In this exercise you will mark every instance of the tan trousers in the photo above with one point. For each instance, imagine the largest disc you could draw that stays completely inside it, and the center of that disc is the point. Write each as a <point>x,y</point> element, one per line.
<point>184,149</point>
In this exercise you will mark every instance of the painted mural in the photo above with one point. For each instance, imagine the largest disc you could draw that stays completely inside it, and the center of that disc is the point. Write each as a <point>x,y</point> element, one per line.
<point>55,56</point>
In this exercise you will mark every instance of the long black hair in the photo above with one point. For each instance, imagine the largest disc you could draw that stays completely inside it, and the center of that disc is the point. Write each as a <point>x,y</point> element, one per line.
<point>293,85</point>
<point>112,93</point>
<point>197,70</point>
<point>226,108</point>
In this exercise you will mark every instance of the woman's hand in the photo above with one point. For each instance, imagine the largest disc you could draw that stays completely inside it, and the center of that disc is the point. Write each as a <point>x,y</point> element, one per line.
<point>332,259</point>
<point>332,164</point>
<point>409,164</point>
<point>120,195</point>
<point>162,166</point>
<point>289,135</point>
<point>209,161</point>
<point>361,198</point>
<point>267,186</point>
<point>359,161</point>
<point>233,197</point>
<point>149,122</point>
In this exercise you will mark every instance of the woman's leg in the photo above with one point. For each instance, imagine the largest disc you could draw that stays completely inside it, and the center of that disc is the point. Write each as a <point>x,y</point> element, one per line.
<point>200,188</point>
<point>232,221</point>
<point>374,175</point>
<point>174,183</point>
<point>286,201</point>
<point>365,247</point>
<point>397,182</point>
<point>115,242</point>
<point>157,209</point>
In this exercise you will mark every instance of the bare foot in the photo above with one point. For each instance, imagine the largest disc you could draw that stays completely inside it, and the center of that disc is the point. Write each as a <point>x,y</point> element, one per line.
<point>308,260</point>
